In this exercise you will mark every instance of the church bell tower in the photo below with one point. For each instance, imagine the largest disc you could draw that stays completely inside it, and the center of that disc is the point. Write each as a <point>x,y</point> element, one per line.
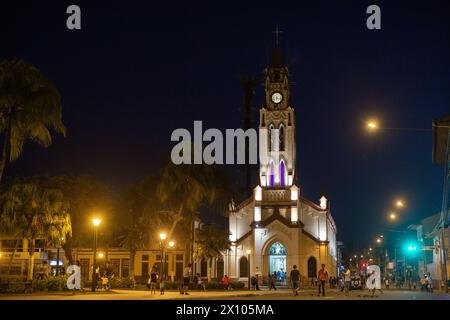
<point>277,127</point>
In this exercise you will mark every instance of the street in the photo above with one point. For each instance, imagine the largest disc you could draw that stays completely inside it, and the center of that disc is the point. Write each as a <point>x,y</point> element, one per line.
<point>283,294</point>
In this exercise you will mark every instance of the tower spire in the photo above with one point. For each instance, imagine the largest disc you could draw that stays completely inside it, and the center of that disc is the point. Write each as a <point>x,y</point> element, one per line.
<point>277,51</point>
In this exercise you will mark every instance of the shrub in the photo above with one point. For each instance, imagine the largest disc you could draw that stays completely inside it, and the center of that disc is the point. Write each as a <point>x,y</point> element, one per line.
<point>57,283</point>
<point>40,285</point>
<point>16,287</point>
<point>214,285</point>
<point>124,283</point>
<point>237,285</point>
<point>128,283</point>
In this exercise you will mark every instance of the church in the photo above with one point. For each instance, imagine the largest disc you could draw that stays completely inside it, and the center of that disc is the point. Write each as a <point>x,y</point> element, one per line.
<point>277,228</point>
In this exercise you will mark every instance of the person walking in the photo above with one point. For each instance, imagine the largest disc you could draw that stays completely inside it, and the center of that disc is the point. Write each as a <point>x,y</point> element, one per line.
<point>257,282</point>
<point>347,279</point>
<point>152,281</point>
<point>186,278</point>
<point>272,282</point>
<point>295,279</point>
<point>200,283</point>
<point>323,277</point>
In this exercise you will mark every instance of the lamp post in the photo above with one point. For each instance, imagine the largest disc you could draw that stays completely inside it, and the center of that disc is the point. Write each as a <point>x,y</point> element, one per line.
<point>57,257</point>
<point>163,237</point>
<point>96,222</point>
<point>248,259</point>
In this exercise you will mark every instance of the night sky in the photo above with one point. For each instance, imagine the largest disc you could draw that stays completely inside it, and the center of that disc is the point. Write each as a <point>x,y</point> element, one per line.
<point>140,69</point>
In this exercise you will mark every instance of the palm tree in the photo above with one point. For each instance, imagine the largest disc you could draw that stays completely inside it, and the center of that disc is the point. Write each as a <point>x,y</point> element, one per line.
<point>85,196</point>
<point>30,105</point>
<point>211,241</point>
<point>185,188</point>
<point>138,218</point>
<point>36,211</point>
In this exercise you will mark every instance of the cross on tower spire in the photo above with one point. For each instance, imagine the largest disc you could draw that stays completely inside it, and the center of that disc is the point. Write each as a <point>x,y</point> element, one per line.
<point>277,32</point>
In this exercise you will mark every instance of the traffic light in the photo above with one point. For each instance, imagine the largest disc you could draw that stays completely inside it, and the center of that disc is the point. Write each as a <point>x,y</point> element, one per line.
<point>412,248</point>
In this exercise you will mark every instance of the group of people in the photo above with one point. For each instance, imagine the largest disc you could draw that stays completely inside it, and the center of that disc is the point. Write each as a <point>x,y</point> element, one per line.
<point>322,277</point>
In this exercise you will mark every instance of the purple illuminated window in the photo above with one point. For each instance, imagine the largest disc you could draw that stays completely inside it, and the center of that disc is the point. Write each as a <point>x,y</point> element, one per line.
<point>282,183</point>
<point>272,176</point>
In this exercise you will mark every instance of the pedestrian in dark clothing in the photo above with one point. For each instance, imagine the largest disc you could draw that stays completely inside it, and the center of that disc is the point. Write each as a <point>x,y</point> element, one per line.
<point>295,279</point>
<point>272,283</point>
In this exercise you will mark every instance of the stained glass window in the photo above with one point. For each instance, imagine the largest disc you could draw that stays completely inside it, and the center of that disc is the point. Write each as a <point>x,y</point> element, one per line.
<point>277,249</point>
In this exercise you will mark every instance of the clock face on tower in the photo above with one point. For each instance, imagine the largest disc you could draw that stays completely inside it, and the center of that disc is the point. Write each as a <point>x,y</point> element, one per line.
<point>277,97</point>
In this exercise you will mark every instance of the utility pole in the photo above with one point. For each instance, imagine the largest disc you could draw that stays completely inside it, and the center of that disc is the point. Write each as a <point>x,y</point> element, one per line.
<point>441,155</point>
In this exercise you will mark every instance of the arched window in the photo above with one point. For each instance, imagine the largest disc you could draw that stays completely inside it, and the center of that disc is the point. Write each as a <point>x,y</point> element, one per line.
<point>281,134</point>
<point>277,249</point>
<point>312,267</point>
<point>271,174</point>
<point>282,174</point>
<point>271,137</point>
<point>204,268</point>
<point>243,267</point>
<point>220,269</point>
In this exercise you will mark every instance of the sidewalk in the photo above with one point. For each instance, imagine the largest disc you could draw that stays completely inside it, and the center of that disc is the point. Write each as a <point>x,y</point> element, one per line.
<point>175,295</point>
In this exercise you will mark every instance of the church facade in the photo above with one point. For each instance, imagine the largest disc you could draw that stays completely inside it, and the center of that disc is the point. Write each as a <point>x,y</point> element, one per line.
<point>277,227</point>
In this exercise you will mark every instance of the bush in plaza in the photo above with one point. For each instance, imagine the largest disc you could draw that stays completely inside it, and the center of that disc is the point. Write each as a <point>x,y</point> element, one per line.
<point>122,283</point>
<point>40,285</point>
<point>16,287</point>
<point>57,283</point>
<point>237,285</point>
<point>128,283</point>
<point>214,285</point>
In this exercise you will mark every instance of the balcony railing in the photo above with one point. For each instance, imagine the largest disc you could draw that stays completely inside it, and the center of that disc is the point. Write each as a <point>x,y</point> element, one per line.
<point>276,195</point>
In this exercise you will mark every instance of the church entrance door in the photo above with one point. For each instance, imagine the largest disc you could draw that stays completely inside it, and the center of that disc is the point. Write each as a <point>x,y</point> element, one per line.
<point>277,262</point>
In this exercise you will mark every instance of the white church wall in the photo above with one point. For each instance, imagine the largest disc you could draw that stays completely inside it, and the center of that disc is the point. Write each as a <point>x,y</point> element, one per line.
<point>239,223</point>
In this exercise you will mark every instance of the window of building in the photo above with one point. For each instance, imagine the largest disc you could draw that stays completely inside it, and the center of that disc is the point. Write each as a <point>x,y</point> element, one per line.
<point>115,265</point>
<point>204,268</point>
<point>271,174</point>
<point>179,271</point>
<point>125,268</point>
<point>243,267</point>
<point>281,137</point>
<point>282,174</point>
<point>312,267</point>
<point>84,265</point>
<point>220,268</point>
<point>144,266</point>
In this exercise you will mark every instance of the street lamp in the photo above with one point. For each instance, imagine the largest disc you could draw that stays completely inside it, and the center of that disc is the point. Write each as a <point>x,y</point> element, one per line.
<point>393,216</point>
<point>248,259</point>
<point>372,125</point>
<point>399,204</point>
<point>96,223</point>
<point>163,243</point>
<point>57,256</point>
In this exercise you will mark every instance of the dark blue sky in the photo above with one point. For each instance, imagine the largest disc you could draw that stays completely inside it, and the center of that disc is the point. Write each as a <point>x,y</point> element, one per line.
<point>138,70</point>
